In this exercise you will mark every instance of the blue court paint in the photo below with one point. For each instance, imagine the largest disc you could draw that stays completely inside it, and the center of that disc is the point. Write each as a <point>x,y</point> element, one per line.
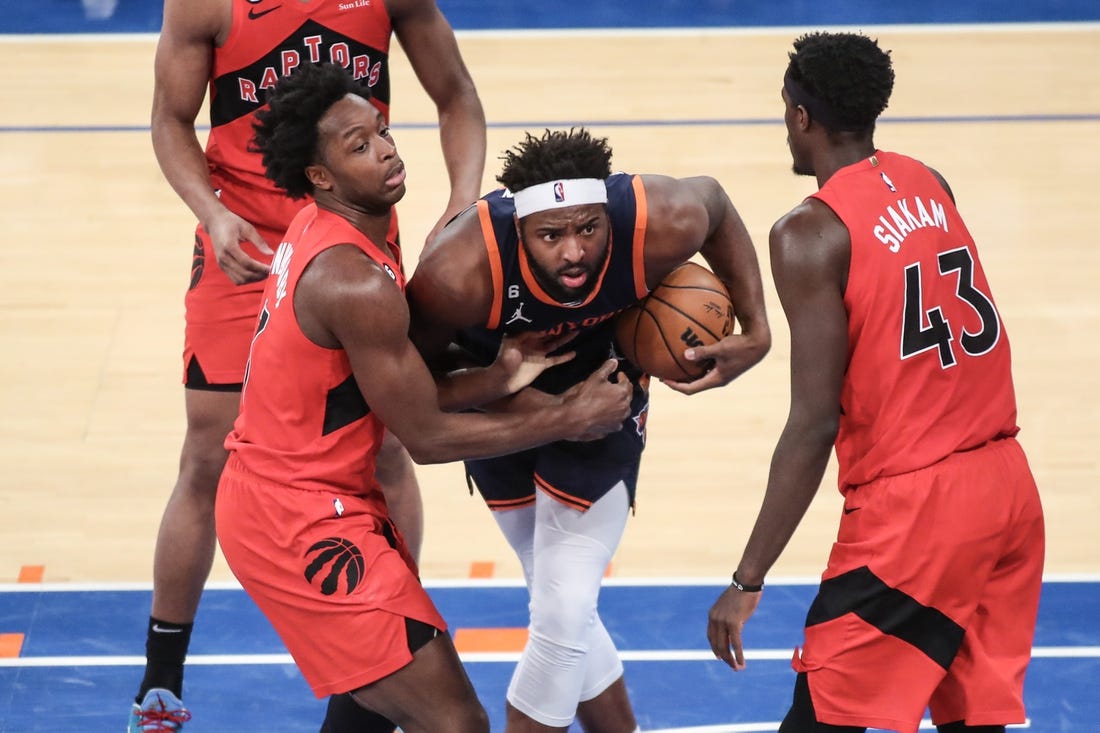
<point>94,623</point>
<point>107,628</point>
<point>144,16</point>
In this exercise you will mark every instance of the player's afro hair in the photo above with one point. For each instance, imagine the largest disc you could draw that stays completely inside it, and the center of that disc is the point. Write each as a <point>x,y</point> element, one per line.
<point>847,71</point>
<point>286,133</point>
<point>557,154</point>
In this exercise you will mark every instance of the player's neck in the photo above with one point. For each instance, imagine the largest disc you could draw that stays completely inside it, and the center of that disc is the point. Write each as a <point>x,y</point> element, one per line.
<point>840,156</point>
<point>373,223</point>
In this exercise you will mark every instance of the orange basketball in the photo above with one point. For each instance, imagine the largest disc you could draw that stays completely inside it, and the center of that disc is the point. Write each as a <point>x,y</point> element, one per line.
<point>690,307</point>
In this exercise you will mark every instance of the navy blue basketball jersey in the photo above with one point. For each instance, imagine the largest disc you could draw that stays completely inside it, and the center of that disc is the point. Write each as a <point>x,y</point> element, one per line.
<point>520,304</point>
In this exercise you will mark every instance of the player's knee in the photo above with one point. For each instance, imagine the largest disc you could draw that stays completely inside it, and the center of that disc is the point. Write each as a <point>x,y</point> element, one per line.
<point>548,653</point>
<point>203,455</point>
<point>602,667</point>
<point>200,470</point>
<point>467,716</point>
<point>471,719</point>
<point>547,682</point>
<point>563,617</point>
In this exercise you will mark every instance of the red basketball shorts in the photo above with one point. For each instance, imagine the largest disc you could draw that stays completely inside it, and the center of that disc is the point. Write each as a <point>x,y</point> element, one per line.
<point>333,577</point>
<point>219,315</point>
<point>930,596</point>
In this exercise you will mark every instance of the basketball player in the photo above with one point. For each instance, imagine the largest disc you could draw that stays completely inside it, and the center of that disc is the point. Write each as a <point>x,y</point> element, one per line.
<point>901,361</point>
<point>238,48</point>
<point>561,250</point>
<point>300,516</point>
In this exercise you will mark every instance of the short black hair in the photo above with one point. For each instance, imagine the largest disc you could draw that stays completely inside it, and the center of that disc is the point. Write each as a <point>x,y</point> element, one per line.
<point>846,71</point>
<point>557,154</point>
<point>286,132</point>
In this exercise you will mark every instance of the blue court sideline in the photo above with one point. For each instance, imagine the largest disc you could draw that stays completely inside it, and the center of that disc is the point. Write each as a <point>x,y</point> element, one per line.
<point>144,16</point>
<point>83,652</point>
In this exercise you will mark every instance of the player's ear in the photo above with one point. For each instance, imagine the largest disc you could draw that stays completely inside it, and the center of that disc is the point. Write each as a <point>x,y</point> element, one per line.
<point>318,176</point>
<point>802,117</point>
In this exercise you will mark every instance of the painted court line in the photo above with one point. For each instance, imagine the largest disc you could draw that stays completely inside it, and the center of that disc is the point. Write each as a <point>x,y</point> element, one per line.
<point>637,655</point>
<point>767,727</point>
<point>504,640</point>
<point>31,573</point>
<point>678,581</point>
<point>482,569</point>
<point>10,646</point>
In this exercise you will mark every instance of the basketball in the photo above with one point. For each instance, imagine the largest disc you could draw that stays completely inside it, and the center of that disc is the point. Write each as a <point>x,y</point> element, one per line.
<point>690,307</point>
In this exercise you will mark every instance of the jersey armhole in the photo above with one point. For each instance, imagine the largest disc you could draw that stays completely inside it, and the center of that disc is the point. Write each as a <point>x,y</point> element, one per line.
<point>641,216</point>
<point>496,270</point>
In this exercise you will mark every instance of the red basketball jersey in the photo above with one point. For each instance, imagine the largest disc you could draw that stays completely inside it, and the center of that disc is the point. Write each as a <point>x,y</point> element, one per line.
<point>303,421</point>
<point>267,40</point>
<point>929,369</point>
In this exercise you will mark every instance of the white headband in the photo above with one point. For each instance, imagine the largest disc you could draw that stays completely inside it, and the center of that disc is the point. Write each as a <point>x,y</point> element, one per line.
<point>559,194</point>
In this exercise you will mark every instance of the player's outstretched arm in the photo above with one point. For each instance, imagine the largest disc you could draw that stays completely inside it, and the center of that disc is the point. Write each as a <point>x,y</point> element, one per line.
<point>809,281</point>
<point>345,300</point>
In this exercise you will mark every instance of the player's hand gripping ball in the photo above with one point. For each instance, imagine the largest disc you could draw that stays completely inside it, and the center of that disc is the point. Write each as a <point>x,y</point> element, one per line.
<point>690,307</point>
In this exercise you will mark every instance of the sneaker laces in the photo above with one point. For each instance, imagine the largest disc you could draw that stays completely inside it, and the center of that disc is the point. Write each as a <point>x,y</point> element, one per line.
<point>160,721</point>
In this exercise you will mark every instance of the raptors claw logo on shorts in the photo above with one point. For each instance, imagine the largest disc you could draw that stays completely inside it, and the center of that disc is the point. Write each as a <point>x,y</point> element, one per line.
<point>336,557</point>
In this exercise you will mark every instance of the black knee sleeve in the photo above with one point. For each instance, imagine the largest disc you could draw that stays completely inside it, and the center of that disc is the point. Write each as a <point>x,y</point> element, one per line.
<point>344,715</point>
<point>801,718</point>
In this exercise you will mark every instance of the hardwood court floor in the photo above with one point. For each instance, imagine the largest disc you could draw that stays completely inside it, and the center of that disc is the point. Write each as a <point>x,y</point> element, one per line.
<point>97,256</point>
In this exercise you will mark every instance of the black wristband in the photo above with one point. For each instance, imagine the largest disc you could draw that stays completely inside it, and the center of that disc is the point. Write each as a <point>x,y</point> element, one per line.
<point>745,587</point>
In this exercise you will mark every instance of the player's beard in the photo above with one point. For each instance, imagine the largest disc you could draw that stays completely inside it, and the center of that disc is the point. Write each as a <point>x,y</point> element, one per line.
<point>798,170</point>
<point>550,282</point>
<point>802,170</point>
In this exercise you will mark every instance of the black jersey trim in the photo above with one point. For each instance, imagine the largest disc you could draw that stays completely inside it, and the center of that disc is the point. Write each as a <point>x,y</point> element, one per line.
<point>343,406</point>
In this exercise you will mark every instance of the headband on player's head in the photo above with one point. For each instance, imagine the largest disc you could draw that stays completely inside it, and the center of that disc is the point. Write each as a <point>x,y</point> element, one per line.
<point>559,194</point>
<point>819,109</point>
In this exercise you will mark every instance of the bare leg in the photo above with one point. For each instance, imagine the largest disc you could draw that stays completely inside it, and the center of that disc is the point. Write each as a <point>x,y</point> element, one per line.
<point>608,712</point>
<point>395,471</point>
<point>432,694</point>
<point>517,722</point>
<point>186,539</point>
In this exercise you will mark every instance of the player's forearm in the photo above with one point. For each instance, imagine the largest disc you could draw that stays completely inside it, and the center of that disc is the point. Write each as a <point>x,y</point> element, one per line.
<point>184,165</point>
<point>462,137</point>
<point>467,388</point>
<point>797,467</point>
<point>484,435</point>
<point>730,251</point>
